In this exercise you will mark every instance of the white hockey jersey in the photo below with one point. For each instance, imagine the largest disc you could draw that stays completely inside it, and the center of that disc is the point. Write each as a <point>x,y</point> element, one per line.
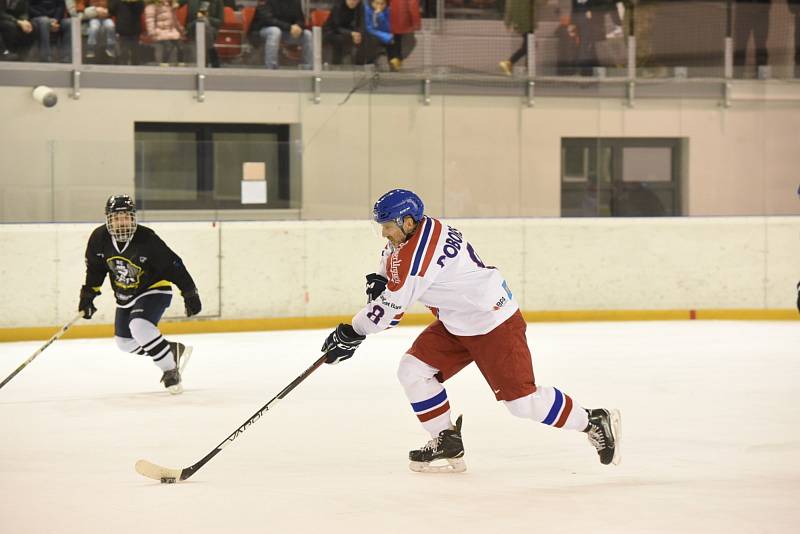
<point>440,269</point>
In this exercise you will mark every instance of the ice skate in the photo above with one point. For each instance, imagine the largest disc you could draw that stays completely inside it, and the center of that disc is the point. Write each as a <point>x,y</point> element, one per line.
<point>443,454</point>
<point>181,353</point>
<point>172,381</point>
<point>604,434</point>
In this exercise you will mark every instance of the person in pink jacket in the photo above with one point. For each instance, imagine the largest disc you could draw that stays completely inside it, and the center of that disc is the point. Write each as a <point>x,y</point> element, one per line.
<point>164,29</point>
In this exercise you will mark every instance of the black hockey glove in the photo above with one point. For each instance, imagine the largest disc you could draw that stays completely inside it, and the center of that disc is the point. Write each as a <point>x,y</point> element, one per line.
<point>86,303</point>
<point>342,343</point>
<point>192,302</point>
<point>376,284</point>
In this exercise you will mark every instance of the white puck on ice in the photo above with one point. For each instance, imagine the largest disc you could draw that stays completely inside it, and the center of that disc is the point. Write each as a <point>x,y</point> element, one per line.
<point>168,480</point>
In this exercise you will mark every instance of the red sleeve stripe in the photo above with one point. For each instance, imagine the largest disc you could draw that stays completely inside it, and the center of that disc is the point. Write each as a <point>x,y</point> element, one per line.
<point>434,240</point>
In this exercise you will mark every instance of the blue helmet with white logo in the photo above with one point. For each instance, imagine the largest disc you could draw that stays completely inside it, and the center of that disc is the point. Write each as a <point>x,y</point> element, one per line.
<point>396,204</point>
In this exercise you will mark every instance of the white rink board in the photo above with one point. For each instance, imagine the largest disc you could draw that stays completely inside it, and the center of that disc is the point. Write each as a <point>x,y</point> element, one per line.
<point>710,438</point>
<point>316,268</point>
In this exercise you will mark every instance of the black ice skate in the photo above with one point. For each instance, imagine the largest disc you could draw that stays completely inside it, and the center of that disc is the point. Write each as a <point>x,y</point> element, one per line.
<point>446,450</point>
<point>604,432</point>
<point>181,353</point>
<point>172,379</point>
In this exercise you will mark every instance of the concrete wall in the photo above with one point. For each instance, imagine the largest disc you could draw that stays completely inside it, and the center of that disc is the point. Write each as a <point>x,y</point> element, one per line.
<point>467,156</point>
<point>316,268</point>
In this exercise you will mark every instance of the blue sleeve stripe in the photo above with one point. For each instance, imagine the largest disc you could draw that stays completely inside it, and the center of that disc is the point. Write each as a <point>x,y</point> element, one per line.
<point>551,417</point>
<point>430,403</point>
<point>426,232</point>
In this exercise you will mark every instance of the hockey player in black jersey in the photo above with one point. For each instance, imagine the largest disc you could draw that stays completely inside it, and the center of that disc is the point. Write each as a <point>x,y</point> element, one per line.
<point>141,268</point>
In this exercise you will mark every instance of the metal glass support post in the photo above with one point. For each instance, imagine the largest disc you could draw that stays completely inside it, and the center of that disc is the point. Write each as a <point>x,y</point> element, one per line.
<point>631,70</point>
<point>200,47</point>
<point>75,50</point>
<point>728,58</point>
<point>316,35</point>
<point>427,51</point>
<point>531,43</point>
<point>440,16</point>
<point>426,92</point>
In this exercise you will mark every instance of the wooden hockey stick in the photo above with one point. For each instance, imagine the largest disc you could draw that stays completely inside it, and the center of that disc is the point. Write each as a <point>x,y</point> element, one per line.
<point>35,354</point>
<point>169,475</point>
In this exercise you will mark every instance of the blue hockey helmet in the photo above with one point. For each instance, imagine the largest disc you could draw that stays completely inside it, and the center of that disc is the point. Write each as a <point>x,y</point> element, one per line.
<point>396,204</point>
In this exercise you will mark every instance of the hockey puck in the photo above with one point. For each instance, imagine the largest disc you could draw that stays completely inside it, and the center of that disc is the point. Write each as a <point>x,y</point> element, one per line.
<point>168,480</point>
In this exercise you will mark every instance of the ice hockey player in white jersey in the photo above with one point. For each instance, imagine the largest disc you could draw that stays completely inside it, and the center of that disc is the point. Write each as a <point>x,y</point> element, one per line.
<point>478,320</point>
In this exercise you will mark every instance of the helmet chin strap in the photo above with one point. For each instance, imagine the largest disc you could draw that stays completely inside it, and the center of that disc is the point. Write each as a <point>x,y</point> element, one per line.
<point>408,235</point>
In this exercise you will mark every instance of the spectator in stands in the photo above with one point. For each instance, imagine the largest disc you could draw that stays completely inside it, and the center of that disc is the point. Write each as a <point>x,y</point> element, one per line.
<point>47,17</point>
<point>212,13</point>
<point>277,20</point>
<point>129,27</point>
<point>99,23</point>
<point>164,29</point>
<point>344,31</point>
<point>379,35</point>
<point>750,17</point>
<point>16,31</point>
<point>520,17</point>
<point>404,20</point>
<point>589,17</point>
<point>794,7</point>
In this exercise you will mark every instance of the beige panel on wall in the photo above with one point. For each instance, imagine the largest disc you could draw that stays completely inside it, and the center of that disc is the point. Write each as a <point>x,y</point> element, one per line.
<point>336,157</point>
<point>782,158</point>
<point>481,157</point>
<point>783,261</point>
<point>29,269</point>
<point>263,269</point>
<point>542,130</point>
<point>339,254</point>
<point>606,264</point>
<point>702,123</point>
<point>406,148</point>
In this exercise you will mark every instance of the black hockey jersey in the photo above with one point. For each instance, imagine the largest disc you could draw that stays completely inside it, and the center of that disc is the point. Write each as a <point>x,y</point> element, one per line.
<point>144,265</point>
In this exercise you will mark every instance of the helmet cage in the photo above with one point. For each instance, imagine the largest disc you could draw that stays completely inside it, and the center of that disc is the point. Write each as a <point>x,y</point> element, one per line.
<point>121,218</point>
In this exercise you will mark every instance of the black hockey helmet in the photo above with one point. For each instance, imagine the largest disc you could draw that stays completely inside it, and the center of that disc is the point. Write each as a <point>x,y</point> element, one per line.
<point>121,227</point>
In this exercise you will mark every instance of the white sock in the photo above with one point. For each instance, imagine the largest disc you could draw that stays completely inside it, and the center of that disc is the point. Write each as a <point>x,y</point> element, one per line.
<point>427,395</point>
<point>550,406</point>
<point>149,337</point>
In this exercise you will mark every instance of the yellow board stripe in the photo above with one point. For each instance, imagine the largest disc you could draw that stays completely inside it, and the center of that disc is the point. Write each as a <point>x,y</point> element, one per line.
<point>206,326</point>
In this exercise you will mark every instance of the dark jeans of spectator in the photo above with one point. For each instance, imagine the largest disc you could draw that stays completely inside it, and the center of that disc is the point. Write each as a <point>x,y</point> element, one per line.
<point>14,39</point>
<point>373,47</point>
<point>750,19</point>
<point>522,51</point>
<point>587,53</point>
<point>41,28</point>
<point>129,50</point>
<point>343,46</point>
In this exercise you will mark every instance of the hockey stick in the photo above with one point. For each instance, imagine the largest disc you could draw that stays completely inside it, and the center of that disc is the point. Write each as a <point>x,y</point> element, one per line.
<point>35,354</point>
<point>168,475</point>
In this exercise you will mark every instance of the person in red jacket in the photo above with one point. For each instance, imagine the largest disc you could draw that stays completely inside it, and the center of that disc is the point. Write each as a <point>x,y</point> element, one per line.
<point>404,20</point>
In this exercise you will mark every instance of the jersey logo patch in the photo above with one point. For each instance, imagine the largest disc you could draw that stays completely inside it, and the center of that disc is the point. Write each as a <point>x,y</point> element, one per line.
<point>125,273</point>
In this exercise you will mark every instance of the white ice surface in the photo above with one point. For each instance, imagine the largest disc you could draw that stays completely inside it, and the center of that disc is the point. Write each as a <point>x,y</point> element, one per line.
<point>710,421</point>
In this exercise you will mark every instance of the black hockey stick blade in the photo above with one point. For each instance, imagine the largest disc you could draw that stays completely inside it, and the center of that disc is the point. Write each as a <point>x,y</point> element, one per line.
<point>170,475</point>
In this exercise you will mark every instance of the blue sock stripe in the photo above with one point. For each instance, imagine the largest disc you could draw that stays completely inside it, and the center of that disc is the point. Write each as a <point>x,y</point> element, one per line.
<point>430,403</point>
<point>551,417</point>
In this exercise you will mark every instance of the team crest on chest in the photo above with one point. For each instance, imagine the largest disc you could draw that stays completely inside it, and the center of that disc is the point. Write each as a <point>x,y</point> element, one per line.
<point>126,273</point>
